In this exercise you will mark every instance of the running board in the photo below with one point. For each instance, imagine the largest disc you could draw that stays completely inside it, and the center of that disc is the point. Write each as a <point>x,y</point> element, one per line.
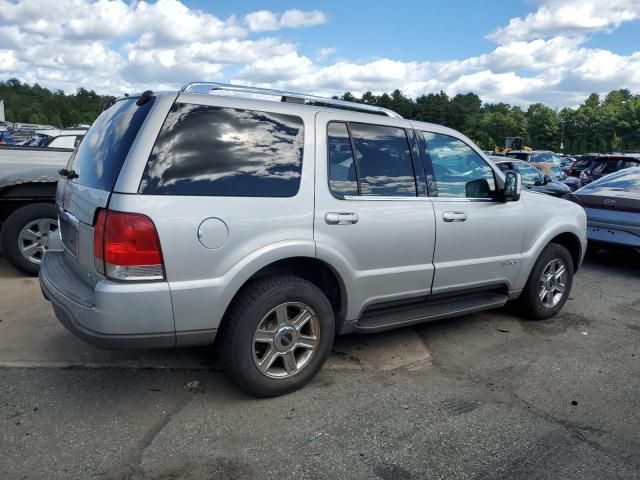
<point>395,317</point>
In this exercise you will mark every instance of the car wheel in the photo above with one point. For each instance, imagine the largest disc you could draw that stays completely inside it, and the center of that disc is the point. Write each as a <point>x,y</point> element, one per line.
<point>25,235</point>
<point>549,283</point>
<point>276,335</point>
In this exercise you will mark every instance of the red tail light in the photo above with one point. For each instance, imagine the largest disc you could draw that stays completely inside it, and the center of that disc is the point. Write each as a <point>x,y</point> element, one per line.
<point>126,246</point>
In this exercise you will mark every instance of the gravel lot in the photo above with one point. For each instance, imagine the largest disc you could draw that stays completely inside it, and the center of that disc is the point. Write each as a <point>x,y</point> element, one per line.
<point>481,396</point>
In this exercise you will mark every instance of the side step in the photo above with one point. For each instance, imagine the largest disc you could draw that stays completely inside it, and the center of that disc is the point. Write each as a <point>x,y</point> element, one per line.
<point>393,317</point>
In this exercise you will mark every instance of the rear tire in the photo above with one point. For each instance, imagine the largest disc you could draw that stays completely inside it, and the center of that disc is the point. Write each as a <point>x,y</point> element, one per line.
<point>23,241</point>
<point>549,284</point>
<point>270,345</point>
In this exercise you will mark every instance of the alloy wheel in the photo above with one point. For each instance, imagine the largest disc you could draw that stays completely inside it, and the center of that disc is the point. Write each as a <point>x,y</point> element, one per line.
<point>33,239</point>
<point>286,340</point>
<point>553,283</point>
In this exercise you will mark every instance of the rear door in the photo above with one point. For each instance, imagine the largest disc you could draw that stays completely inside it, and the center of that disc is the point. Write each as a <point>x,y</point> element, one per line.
<point>478,238</point>
<point>372,214</point>
<point>94,168</point>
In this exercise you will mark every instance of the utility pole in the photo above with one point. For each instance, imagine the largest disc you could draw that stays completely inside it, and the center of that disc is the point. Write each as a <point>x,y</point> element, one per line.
<point>2,111</point>
<point>562,137</point>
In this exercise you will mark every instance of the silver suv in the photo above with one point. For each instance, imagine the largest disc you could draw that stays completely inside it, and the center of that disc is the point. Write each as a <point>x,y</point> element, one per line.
<point>269,227</point>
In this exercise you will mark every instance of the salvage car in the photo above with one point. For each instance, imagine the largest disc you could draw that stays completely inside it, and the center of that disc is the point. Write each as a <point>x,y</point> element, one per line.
<point>271,226</point>
<point>532,178</point>
<point>612,204</point>
<point>28,177</point>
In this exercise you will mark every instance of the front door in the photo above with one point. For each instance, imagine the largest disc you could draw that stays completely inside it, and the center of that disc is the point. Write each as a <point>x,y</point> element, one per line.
<point>479,238</point>
<point>372,216</point>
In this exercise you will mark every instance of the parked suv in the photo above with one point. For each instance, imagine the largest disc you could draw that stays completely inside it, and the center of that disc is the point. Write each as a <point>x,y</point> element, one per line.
<point>272,226</point>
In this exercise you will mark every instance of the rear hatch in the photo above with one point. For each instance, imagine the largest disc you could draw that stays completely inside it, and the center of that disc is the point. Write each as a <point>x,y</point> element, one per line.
<point>90,176</point>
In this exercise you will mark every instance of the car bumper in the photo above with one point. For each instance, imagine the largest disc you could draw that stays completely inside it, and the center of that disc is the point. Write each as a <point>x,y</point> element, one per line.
<point>109,315</point>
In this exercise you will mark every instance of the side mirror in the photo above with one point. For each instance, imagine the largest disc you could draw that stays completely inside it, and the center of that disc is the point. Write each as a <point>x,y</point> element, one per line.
<point>547,179</point>
<point>512,186</point>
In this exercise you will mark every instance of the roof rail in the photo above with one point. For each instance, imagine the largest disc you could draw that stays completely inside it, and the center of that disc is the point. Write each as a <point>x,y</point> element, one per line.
<point>291,97</point>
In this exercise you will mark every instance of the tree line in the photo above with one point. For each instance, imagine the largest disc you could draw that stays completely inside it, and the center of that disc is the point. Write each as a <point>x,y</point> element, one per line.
<point>34,104</point>
<point>611,123</point>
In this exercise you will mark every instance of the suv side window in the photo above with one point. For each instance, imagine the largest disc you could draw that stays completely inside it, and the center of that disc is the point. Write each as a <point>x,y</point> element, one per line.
<point>458,170</point>
<point>206,150</point>
<point>382,166</point>
<point>343,179</point>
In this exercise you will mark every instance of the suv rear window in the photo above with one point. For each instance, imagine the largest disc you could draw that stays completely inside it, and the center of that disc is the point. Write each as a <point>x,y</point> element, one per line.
<point>100,156</point>
<point>207,150</point>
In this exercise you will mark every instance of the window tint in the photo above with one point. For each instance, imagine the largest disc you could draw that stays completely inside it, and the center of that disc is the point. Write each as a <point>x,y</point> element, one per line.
<point>581,163</point>
<point>607,166</point>
<point>383,160</point>
<point>458,170</point>
<point>520,156</point>
<point>630,163</point>
<point>205,150</point>
<point>100,155</point>
<point>342,170</point>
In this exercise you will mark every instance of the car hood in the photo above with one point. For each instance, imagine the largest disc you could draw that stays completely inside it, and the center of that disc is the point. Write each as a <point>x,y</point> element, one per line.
<point>551,188</point>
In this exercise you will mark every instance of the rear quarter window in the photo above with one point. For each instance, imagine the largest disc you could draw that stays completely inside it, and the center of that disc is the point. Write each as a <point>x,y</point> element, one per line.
<point>102,152</point>
<point>207,150</point>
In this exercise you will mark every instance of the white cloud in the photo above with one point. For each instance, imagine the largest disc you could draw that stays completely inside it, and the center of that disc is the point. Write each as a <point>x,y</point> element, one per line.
<point>265,20</point>
<point>116,47</point>
<point>569,17</point>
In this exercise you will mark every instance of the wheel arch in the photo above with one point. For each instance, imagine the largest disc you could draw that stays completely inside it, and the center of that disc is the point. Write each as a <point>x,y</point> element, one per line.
<point>572,243</point>
<point>19,195</point>
<point>310,268</point>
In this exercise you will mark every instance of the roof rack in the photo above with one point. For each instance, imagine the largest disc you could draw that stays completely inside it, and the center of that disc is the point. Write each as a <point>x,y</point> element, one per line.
<point>291,97</point>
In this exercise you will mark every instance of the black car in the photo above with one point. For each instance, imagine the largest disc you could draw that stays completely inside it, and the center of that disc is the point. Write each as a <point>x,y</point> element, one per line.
<point>581,163</point>
<point>603,165</point>
<point>532,178</point>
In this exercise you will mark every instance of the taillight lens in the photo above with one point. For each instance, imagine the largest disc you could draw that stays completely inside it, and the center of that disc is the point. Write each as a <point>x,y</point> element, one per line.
<point>126,246</point>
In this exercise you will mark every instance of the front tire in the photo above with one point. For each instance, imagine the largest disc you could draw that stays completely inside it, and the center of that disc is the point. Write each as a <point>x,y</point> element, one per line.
<point>25,235</point>
<point>276,335</point>
<point>549,283</point>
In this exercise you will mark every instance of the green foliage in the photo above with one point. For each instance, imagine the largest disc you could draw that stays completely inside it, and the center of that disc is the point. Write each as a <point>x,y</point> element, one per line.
<point>598,125</point>
<point>611,123</point>
<point>35,104</point>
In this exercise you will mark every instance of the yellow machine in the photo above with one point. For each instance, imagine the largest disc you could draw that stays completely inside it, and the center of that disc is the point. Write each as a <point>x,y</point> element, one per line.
<point>512,143</point>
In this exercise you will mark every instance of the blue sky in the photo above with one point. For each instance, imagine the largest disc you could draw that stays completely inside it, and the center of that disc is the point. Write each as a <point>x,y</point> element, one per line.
<point>404,30</point>
<point>518,51</point>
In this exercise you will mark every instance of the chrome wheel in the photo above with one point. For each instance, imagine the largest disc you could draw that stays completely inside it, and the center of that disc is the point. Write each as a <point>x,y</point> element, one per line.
<point>286,340</point>
<point>553,283</point>
<point>33,239</point>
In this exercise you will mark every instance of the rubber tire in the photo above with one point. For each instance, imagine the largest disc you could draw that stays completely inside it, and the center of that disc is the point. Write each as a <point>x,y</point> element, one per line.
<point>12,227</point>
<point>529,304</point>
<point>242,319</point>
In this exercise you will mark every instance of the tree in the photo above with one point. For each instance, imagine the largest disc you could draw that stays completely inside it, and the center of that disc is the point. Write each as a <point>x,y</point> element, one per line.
<point>543,126</point>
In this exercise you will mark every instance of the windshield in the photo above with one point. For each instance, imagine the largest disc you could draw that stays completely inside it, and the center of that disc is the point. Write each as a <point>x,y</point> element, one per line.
<point>528,173</point>
<point>102,152</point>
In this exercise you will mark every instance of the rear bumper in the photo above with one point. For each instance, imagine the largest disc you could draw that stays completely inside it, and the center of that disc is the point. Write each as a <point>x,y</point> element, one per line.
<point>108,316</point>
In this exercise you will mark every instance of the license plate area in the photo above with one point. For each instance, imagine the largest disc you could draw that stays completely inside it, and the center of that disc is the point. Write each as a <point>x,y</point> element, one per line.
<point>69,232</point>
